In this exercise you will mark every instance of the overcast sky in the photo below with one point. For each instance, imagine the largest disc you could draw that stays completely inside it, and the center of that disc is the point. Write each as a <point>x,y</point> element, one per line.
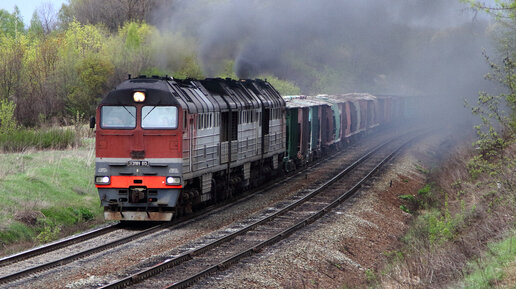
<point>27,7</point>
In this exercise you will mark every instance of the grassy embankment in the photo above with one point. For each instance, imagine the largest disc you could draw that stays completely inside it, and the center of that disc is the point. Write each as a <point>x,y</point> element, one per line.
<point>45,194</point>
<point>463,233</point>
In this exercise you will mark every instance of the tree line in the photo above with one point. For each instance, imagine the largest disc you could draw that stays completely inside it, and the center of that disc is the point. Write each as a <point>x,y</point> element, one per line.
<point>61,65</point>
<point>52,75</point>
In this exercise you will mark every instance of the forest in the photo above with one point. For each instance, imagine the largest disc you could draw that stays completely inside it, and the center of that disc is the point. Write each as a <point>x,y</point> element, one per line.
<point>54,70</point>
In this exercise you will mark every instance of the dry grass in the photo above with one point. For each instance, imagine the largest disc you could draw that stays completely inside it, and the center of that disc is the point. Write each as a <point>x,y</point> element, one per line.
<point>479,214</point>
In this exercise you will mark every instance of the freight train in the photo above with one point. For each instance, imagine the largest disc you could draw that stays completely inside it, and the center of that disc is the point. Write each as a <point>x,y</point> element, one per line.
<point>166,146</point>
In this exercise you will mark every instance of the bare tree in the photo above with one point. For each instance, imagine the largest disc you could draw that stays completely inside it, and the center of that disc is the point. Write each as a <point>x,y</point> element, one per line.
<point>112,14</point>
<point>48,16</point>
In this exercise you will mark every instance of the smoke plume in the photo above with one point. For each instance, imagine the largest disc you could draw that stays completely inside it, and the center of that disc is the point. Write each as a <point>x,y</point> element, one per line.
<point>430,47</point>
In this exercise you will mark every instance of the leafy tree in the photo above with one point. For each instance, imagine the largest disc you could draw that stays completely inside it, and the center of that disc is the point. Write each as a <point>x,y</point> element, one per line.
<point>65,16</point>
<point>93,73</point>
<point>228,69</point>
<point>189,69</point>
<point>284,87</point>
<point>38,102</point>
<point>36,27</point>
<point>497,130</point>
<point>130,50</point>
<point>11,24</point>
<point>79,57</point>
<point>12,50</point>
<point>7,121</point>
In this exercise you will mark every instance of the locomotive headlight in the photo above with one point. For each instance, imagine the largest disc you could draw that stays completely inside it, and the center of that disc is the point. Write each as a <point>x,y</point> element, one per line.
<point>173,181</point>
<point>139,96</point>
<point>105,180</point>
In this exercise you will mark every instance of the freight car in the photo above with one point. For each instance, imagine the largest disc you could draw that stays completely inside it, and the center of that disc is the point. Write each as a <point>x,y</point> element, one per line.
<point>165,146</point>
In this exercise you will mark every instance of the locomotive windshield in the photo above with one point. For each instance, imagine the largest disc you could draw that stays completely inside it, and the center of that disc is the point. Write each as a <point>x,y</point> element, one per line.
<point>159,117</point>
<point>119,117</point>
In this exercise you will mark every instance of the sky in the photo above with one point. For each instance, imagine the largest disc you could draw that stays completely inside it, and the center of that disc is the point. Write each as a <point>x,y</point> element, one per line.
<point>27,7</point>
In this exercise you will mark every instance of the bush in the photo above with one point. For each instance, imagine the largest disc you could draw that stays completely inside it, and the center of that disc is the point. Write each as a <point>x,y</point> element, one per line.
<point>7,121</point>
<point>49,233</point>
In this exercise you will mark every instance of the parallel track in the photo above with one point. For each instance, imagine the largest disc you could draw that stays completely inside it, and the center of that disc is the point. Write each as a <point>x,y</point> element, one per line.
<point>175,224</point>
<point>185,269</point>
<point>89,235</point>
<point>57,245</point>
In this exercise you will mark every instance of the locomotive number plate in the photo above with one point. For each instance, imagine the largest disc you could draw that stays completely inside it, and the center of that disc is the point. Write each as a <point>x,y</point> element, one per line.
<point>138,163</point>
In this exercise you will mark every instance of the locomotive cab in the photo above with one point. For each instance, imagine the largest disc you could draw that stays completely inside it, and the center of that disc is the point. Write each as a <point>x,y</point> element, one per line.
<point>138,165</point>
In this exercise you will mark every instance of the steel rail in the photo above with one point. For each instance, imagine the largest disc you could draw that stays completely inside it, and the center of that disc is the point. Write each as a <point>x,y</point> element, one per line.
<point>57,245</point>
<point>189,255</point>
<point>71,258</point>
<point>183,221</point>
<point>289,231</point>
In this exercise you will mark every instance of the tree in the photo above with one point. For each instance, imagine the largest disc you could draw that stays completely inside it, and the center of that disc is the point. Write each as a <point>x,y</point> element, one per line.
<point>112,14</point>
<point>11,24</point>
<point>36,27</point>
<point>497,130</point>
<point>82,70</point>
<point>12,51</point>
<point>93,74</point>
<point>284,87</point>
<point>48,17</point>
<point>501,108</point>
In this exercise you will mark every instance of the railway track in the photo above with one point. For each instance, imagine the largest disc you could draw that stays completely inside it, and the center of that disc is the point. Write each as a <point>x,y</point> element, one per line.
<point>216,254</point>
<point>77,255</point>
<point>74,255</point>
<point>57,245</point>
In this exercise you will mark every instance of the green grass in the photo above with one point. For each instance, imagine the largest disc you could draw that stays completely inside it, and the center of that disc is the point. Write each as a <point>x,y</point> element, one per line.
<point>45,192</point>
<point>22,139</point>
<point>487,270</point>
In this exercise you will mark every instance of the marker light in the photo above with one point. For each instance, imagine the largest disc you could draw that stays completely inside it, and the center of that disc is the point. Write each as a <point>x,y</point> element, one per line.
<point>139,96</point>
<point>102,180</point>
<point>173,181</point>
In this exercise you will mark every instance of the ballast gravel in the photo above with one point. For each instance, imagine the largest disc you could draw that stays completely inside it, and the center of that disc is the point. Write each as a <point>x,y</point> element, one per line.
<point>350,239</point>
<point>342,248</point>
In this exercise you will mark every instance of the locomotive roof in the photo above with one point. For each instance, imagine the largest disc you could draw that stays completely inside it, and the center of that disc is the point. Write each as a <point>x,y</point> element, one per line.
<point>198,96</point>
<point>157,92</point>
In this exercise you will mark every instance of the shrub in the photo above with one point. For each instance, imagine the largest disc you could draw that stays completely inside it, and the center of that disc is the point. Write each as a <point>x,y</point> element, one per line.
<point>49,233</point>
<point>7,121</point>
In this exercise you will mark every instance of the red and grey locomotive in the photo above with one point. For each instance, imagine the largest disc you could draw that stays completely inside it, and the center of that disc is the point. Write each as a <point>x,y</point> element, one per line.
<point>164,146</point>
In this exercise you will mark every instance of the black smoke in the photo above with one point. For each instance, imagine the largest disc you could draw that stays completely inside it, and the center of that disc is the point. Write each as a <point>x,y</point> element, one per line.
<point>325,46</point>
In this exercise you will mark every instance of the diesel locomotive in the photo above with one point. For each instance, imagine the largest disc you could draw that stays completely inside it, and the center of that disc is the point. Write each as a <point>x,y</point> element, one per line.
<point>165,146</point>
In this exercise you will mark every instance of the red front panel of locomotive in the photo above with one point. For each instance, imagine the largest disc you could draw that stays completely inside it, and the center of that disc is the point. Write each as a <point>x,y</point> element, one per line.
<point>135,141</point>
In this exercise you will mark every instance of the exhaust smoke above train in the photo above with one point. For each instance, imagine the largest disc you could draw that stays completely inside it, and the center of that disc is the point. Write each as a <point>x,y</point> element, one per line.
<point>387,46</point>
